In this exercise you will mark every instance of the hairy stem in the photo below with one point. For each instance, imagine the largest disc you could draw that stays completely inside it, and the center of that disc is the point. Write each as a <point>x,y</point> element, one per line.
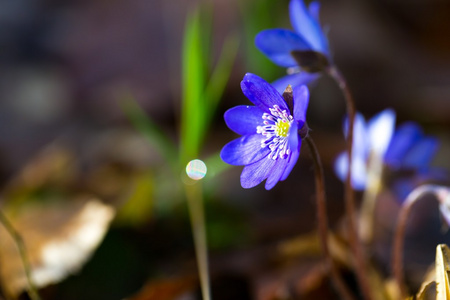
<point>360,267</point>
<point>32,290</point>
<point>322,220</point>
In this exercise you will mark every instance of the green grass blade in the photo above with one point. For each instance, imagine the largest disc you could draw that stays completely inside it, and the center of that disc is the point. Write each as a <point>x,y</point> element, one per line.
<point>192,109</point>
<point>206,23</point>
<point>220,75</point>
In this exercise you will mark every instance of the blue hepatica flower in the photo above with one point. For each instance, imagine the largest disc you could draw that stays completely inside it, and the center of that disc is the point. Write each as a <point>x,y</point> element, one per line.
<point>304,48</point>
<point>270,142</point>
<point>406,148</point>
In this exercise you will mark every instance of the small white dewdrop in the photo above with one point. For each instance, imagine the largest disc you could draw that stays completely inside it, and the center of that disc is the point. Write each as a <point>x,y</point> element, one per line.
<point>196,169</point>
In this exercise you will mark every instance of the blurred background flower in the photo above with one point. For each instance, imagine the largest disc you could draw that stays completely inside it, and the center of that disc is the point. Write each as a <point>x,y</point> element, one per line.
<point>303,50</point>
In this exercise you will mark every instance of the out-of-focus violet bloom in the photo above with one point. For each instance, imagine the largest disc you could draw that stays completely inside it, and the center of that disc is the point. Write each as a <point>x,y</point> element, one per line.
<point>403,185</point>
<point>407,148</point>
<point>270,142</point>
<point>304,48</point>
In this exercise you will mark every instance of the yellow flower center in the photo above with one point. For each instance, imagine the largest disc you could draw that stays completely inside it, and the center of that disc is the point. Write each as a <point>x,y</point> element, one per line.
<point>276,131</point>
<point>282,128</point>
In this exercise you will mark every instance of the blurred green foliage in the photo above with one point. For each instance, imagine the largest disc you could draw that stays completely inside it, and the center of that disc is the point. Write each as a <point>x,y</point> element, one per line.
<point>202,89</point>
<point>203,85</point>
<point>258,15</point>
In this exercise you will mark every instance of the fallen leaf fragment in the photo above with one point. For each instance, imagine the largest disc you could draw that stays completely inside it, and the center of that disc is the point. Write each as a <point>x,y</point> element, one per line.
<point>59,239</point>
<point>442,269</point>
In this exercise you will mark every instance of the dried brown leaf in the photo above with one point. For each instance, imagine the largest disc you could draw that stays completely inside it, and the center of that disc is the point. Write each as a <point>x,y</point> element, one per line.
<point>442,269</point>
<point>59,239</point>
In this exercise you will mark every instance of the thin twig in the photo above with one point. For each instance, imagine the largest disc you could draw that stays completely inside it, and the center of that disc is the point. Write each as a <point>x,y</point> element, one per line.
<point>360,267</point>
<point>194,198</point>
<point>32,290</point>
<point>322,220</point>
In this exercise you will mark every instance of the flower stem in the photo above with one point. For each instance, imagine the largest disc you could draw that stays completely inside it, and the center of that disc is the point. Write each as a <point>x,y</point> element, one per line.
<point>194,198</point>
<point>32,290</point>
<point>360,267</point>
<point>399,236</point>
<point>322,219</point>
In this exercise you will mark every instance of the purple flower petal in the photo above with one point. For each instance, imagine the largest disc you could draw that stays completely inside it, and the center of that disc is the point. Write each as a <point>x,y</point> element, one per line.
<point>314,9</point>
<point>301,100</point>
<point>292,160</point>
<point>294,80</point>
<point>361,145</point>
<point>380,129</point>
<point>359,174</point>
<point>264,144</point>
<point>255,173</point>
<point>261,93</point>
<point>244,150</point>
<point>421,153</point>
<point>244,119</point>
<point>359,171</point>
<point>404,138</point>
<point>341,166</point>
<point>360,153</point>
<point>294,138</point>
<point>306,26</point>
<point>276,172</point>
<point>277,45</point>
<point>406,148</point>
<point>402,187</point>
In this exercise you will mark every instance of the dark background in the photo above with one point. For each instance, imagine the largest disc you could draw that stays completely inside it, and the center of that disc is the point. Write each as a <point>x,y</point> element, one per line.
<point>65,65</point>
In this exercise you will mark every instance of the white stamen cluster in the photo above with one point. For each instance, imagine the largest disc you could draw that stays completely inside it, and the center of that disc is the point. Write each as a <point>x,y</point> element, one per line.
<point>276,130</point>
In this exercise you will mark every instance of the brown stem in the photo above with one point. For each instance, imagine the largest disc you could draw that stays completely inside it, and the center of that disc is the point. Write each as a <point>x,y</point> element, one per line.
<point>399,236</point>
<point>322,220</point>
<point>360,267</point>
<point>32,290</point>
